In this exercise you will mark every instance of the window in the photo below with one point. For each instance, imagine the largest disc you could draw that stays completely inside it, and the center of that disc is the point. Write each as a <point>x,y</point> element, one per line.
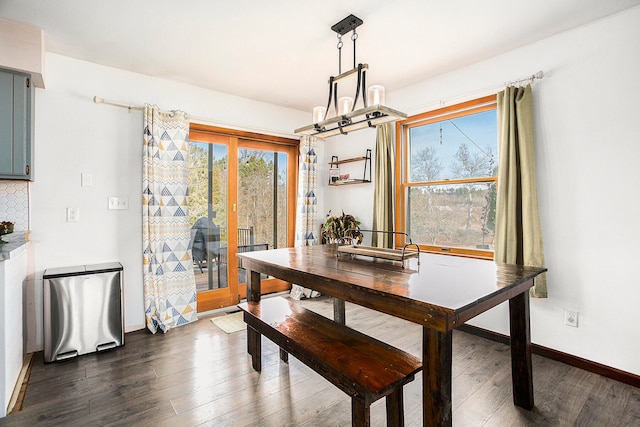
<point>447,175</point>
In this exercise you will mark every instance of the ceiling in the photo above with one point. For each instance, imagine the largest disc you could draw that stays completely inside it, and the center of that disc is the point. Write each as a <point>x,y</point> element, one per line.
<point>283,51</point>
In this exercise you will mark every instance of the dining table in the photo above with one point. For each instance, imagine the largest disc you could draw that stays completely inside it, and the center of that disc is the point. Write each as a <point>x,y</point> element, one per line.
<point>438,291</point>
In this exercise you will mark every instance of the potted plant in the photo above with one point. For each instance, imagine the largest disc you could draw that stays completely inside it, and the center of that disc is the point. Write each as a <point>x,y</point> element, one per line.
<point>344,229</point>
<point>6,227</point>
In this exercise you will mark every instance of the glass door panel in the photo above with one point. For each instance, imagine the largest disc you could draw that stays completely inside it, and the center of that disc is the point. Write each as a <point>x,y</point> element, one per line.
<point>262,201</point>
<point>208,201</point>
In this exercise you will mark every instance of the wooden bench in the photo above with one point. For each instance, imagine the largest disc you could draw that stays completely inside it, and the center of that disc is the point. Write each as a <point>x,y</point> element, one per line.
<point>364,368</point>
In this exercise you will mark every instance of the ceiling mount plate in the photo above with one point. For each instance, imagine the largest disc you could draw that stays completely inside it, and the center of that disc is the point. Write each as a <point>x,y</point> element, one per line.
<point>349,23</point>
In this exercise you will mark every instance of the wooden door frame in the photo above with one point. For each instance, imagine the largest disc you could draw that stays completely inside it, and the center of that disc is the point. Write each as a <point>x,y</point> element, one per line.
<point>235,139</point>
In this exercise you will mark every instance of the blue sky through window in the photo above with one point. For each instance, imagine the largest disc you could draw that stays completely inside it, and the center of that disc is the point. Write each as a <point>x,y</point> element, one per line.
<point>478,131</point>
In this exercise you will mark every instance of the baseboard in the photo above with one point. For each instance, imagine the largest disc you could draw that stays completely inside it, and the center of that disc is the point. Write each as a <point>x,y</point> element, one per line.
<point>20,390</point>
<point>133,328</point>
<point>569,359</point>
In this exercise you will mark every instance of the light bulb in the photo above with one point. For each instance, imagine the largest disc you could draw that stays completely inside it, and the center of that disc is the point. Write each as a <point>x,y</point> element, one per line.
<point>375,95</point>
<point>344,105</point>
<point>318,114</point>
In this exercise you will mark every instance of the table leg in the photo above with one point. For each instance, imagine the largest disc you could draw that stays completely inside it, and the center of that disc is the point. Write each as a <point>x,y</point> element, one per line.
<point>436,377</point>
<point>521,371</point>
<point>253,337</point>
<point>338,311</point>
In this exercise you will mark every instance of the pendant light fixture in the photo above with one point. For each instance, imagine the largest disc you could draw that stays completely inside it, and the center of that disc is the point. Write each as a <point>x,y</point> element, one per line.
<point>345,117</point>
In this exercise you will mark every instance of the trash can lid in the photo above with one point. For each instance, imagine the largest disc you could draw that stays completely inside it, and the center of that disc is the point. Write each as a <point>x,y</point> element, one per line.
<point>51,273</point>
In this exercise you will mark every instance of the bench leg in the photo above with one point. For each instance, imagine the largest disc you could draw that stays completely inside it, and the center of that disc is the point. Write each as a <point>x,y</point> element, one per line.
<point>338,311</point>
<point>284,356</point>
<point>360,413</point>
<point>395,408</point>
<point>254,342</point>
<point>249,349</point>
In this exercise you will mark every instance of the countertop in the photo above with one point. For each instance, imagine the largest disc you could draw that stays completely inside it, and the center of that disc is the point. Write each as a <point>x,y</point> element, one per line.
<point>16,246</point>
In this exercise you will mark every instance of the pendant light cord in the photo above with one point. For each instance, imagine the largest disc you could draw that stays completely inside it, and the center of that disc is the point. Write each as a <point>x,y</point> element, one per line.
<point>339,54</point>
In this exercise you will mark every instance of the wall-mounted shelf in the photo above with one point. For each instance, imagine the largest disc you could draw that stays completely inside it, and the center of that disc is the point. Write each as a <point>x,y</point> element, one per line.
<point>335,179</point>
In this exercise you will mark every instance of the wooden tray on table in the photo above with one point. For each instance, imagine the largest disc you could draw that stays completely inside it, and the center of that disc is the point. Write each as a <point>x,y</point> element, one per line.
<point>382,253</point>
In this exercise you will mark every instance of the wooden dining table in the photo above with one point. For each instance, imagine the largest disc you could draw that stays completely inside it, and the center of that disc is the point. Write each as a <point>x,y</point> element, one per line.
<point>439,292</point>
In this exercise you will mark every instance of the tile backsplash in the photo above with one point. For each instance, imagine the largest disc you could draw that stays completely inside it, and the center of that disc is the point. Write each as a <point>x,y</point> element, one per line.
<point>14,203</point>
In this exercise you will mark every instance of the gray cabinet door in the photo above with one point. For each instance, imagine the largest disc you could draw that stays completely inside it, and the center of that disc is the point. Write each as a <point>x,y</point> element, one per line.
<point>6,123</point>
<point>16,124</point>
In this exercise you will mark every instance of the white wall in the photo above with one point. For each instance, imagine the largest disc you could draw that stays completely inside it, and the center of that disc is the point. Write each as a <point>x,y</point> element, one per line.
<point>73,136</point>
<point>356,199</point>
<point>587,149</point>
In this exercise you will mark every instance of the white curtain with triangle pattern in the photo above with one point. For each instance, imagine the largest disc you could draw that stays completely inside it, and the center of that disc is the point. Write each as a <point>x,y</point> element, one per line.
<point>169,284</point>
<point>306,218</point>
<point>307,215</point>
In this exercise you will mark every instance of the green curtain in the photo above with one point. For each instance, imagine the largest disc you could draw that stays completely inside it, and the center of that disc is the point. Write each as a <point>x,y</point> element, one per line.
<point>518,237</point>
<point>383,188</point>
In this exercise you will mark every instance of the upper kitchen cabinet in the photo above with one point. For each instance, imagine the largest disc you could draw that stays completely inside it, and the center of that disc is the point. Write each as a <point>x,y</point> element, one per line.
<point>16,126</point>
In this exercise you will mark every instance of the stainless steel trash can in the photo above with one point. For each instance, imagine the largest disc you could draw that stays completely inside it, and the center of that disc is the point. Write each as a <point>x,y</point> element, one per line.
<point>83,310</point>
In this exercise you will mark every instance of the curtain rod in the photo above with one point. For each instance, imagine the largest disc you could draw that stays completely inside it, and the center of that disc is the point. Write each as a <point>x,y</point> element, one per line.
<point>99,100</point>
<point>130,107</point>
<point>474,94</point>
<point>537,76</point>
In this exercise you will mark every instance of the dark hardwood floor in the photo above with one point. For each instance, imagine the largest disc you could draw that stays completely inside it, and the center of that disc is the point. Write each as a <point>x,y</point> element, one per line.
<point>198,375</point>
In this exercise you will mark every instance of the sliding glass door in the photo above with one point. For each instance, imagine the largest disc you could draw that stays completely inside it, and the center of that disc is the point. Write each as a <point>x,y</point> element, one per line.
<point>241,198</point>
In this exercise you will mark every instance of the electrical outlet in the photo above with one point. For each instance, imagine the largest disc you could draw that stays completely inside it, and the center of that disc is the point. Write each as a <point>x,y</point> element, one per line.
<point>73,214</point>
<point>571,317</point>
<point>118,203</point>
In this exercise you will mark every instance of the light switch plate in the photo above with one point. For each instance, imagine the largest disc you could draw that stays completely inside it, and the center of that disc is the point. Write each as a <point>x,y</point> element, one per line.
<point>86,179</point>
<point>118,203</point>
